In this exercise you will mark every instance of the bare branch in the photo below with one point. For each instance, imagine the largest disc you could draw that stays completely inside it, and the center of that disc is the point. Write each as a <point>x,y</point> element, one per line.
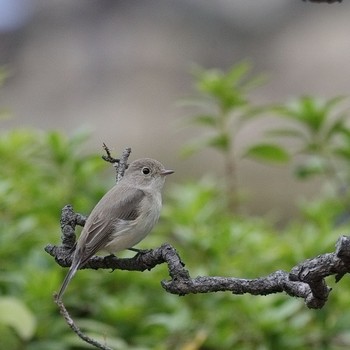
<point>120,164</point>
<point>76,329</point>
<point>123,164</point>
<point>306,280</point>
<point>108,157</point>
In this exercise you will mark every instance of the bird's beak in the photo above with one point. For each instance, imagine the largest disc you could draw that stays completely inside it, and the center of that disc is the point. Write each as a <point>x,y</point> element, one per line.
<point>166,172</point>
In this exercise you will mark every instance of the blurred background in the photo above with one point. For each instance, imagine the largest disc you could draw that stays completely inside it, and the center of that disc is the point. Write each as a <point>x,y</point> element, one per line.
<point>118,68</point>
<point>83,72</point>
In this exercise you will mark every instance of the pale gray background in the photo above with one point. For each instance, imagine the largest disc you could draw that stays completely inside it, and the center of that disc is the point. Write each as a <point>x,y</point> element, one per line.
<point>119,67</point>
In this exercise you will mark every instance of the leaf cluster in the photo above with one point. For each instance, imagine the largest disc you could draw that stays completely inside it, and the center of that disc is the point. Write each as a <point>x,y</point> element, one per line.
<point>39,172</point>
<point>311,133</point>
<point>320,130</point>
<point>224,99</point>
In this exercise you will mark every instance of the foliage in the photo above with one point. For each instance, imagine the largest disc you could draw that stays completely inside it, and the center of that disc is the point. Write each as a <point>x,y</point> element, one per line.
<point>318,133</point>
<point>321,133</point>
<point>129,309</point>
<point>223,99</point>
<point>39,172</point>
<point>314,134</point>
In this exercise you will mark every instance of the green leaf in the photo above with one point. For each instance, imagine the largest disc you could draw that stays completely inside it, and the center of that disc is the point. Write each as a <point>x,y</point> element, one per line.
<point>57,143</point>
<point>314,166</point>
<point>221,142</point>
<point>310,112</point>
<point>237,73</point>
<point>338,127</point>
<point>14,313</point>
<point>267,152</point>
<point>205,120</point>
<point>227,89</point>
<point>209,81</point>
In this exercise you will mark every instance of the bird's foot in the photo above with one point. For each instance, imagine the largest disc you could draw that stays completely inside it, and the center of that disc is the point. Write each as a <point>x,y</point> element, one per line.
<point>140,251</point>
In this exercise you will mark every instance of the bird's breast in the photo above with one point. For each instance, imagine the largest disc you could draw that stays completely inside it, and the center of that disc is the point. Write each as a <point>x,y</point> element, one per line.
<point>128,233</point>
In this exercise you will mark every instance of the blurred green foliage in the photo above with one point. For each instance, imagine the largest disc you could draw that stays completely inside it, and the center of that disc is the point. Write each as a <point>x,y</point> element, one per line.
<point>224,110</point>
<point>318,132</point>
<point>43,171</point>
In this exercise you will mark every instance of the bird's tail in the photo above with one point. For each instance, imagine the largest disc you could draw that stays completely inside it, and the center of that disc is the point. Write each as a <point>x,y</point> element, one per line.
<point>72,270</point>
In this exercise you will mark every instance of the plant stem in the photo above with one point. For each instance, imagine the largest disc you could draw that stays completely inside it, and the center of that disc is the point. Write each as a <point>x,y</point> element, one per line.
<point>229,162</point>
<point>231,182</point>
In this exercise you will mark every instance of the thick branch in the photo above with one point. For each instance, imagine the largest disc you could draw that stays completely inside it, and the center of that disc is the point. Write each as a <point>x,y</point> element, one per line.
<point>306,280</point>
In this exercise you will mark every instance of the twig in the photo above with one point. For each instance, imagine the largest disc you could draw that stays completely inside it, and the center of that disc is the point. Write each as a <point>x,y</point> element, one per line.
<point>120,164</point>
<point>123,163</point>
<point>76,329</point>
<point>108,157</point>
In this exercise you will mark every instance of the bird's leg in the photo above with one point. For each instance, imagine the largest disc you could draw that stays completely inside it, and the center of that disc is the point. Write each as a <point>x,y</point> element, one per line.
<point>140,251</point>
<point>110,256</point>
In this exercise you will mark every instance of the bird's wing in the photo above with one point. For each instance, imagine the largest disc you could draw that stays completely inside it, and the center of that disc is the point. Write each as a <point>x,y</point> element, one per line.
<point>100,227</point>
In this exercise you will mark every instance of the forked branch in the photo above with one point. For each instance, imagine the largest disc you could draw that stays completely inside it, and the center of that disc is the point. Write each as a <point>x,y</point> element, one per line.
<point>306,280</point>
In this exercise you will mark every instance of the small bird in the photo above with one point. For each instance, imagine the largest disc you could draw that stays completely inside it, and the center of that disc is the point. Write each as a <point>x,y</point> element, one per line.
<point>124,215</point>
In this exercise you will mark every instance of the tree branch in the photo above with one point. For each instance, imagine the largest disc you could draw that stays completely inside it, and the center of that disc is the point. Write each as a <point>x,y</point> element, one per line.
<point>306,280</point>
<point>120,164</point>
<point>76,329</point>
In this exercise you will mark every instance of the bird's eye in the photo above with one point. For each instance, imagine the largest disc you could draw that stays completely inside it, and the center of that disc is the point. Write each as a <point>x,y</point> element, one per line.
<point>145,170</point>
